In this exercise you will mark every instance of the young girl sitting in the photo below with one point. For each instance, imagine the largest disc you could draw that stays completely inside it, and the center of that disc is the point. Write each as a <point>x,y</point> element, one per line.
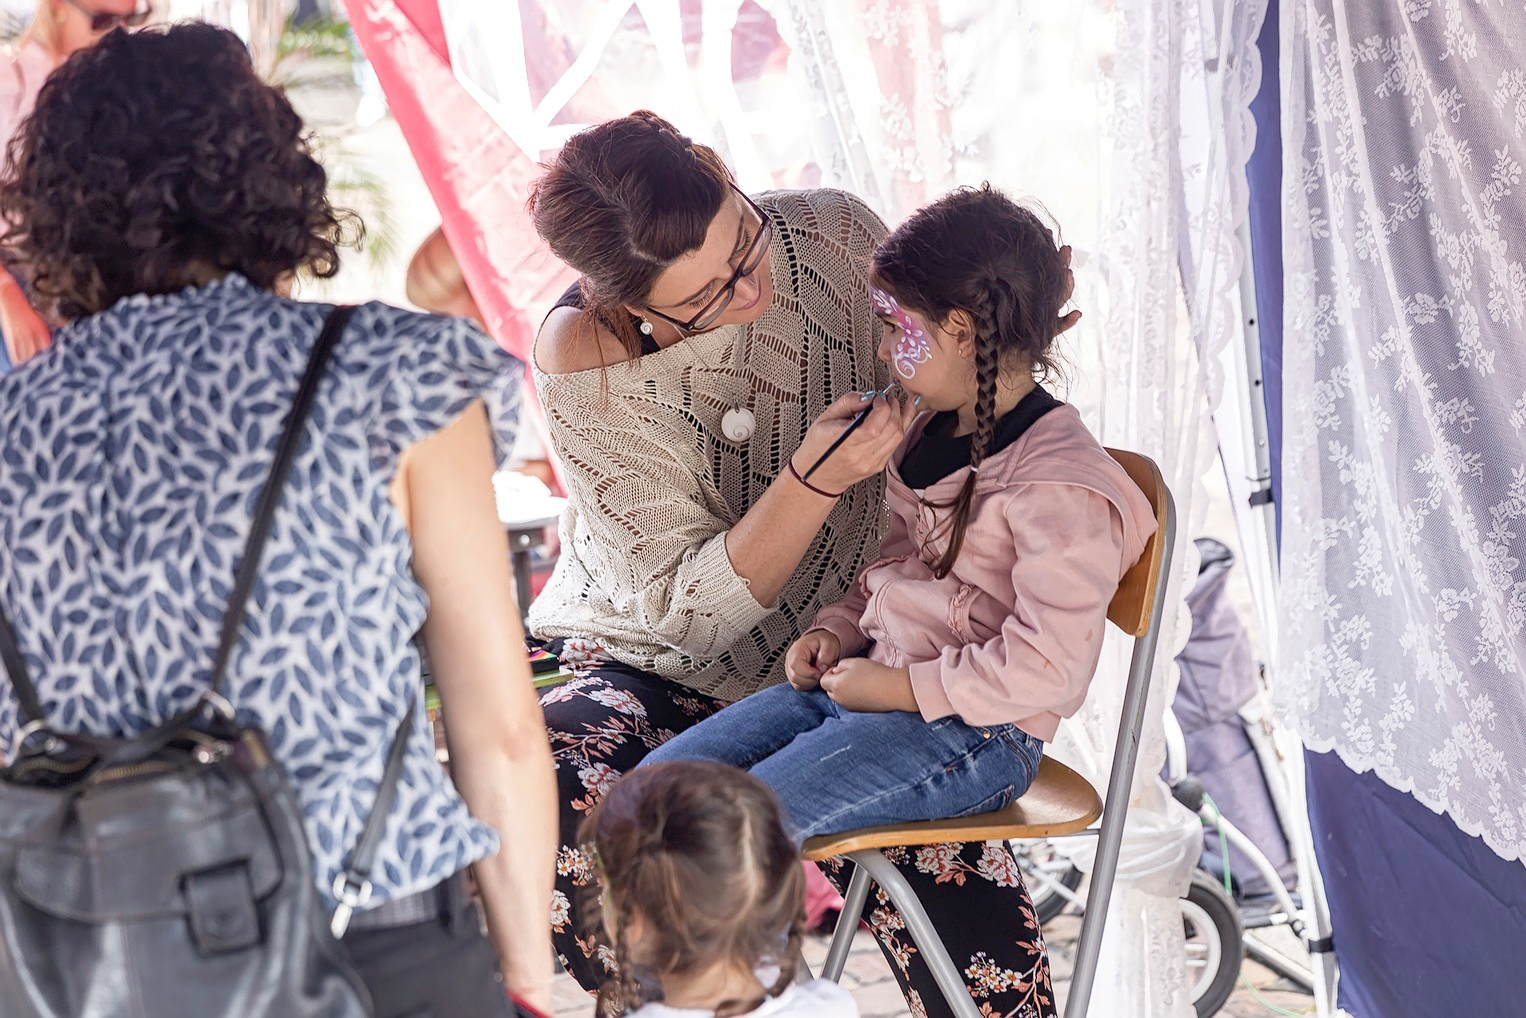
<point>703,898</point>
<point>930,691</point>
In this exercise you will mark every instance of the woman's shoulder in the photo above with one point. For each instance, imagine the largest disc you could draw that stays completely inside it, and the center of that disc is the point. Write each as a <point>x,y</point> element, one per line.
<point>388,325</point>
<point>230,313</point>
<point>390,337</point>
<point>824,209</point>
<point>571,341</point>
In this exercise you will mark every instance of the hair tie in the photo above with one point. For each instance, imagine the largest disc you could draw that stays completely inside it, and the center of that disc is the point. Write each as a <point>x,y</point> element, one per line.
<point>683,144</point>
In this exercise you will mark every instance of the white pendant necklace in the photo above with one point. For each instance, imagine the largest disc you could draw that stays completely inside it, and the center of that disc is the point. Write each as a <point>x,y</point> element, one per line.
<point>738,424</point>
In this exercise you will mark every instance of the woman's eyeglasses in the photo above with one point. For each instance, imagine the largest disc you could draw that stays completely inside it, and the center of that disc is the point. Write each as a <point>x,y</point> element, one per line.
<point>102,22</point>
<point>751,259</point>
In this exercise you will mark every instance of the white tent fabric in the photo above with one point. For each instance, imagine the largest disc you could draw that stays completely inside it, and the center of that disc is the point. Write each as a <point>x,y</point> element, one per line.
<point>1081,105</point>
<point>1126,118</point>
<point>1404,565</point>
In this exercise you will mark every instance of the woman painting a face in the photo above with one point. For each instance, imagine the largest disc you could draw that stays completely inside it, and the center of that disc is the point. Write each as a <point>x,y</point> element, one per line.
<point>714,348</point>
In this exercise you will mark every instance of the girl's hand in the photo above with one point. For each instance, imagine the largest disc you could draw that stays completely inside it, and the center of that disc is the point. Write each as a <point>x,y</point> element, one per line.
<point>810,657</point>
<point>863,685</point>
<point>866,451</point>
<point>1066,321</point>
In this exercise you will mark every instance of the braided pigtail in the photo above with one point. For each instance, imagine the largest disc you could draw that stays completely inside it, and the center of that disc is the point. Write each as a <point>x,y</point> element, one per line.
<point>987,372</point>
<point>789,957</point>
<point>622,993</point>
<point>978,251</point>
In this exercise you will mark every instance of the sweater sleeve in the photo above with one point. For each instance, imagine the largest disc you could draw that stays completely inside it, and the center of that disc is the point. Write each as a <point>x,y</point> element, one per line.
<point>844,619</point>
<point>1069,542</point>
<point>648,529</point>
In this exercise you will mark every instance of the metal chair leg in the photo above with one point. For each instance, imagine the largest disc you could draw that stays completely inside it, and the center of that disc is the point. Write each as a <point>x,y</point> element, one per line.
<point>847,924</point>
<point>921,929</point>
<point>1119,788</point>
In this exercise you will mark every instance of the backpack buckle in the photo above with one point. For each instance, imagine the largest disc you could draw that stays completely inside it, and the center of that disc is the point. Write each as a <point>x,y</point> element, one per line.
<point>38,727</point>
<point>219,704</point>
<point>353,892</point>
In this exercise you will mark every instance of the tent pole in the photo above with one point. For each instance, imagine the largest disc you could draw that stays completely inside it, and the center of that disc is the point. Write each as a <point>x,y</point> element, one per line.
<point>1262,523</point>
<point>1257,524</point>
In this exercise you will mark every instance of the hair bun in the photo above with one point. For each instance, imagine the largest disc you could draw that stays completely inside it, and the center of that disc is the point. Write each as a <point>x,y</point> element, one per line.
<point>665,130</point>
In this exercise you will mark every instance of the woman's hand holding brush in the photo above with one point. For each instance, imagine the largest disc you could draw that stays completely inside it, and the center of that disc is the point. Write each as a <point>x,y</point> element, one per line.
<point>853,439</point>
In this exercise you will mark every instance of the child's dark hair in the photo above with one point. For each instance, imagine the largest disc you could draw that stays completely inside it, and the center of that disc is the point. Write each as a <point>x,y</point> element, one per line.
<point>977,250</point>
<point>698,854</point>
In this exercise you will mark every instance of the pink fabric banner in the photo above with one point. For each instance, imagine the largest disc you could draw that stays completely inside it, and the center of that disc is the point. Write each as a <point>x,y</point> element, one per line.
<point>479,178</point>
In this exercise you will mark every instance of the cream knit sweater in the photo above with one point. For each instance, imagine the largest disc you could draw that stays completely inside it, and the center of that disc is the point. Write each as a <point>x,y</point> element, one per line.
<point>655,485</point>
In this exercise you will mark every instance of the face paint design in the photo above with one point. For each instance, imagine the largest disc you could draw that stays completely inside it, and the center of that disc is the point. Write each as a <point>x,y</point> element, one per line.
<point>913,347</point>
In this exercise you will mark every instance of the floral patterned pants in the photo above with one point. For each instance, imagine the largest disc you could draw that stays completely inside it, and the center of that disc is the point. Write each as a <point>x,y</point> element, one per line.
<point>606,719</point>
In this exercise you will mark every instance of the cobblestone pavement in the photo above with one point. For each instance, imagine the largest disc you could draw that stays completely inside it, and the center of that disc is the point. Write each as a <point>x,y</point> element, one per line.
<point>869,979</point>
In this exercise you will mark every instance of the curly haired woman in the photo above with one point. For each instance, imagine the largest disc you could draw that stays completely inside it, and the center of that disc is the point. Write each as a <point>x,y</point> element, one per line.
<point>58,29</point>
<point>165,198</point>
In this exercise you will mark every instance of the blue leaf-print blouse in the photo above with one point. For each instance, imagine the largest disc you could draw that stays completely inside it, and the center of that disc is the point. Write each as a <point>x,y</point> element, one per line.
<point>131,457</point>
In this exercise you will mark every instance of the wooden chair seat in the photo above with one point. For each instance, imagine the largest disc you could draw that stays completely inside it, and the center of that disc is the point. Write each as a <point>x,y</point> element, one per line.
<point>1058,802</point>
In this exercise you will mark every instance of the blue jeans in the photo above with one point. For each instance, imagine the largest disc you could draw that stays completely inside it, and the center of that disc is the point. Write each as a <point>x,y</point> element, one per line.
<point>835,770</point>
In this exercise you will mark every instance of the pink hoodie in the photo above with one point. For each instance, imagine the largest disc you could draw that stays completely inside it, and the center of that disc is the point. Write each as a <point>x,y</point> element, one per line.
<point>1014,631</point>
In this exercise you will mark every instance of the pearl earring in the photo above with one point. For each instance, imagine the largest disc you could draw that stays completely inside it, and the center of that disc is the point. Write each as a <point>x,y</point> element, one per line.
<point>646,327</point>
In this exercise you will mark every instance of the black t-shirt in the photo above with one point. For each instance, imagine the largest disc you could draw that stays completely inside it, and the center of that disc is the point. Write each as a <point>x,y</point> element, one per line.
<point>939,452</point>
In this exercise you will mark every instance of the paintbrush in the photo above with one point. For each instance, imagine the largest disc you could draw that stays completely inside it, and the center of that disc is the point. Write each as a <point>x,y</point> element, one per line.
<point>859,418</point>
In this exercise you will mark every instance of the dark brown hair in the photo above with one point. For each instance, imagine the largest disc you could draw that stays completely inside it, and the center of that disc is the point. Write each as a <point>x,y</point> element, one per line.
<point>621,202</point>
<point>699,853</point>
<point>977,250</point>
<point>155,159</point>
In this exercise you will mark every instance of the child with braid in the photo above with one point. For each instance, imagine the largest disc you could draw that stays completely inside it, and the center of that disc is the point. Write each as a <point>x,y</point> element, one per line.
<point>703,898</point>
<point>929,691</point>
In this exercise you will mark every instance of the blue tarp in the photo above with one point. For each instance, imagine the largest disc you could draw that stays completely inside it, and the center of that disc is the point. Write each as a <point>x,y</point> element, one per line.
<point>1428,921</point>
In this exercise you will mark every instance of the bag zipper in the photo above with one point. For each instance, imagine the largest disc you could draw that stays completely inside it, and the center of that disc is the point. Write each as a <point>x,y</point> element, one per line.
<point>25,767</point>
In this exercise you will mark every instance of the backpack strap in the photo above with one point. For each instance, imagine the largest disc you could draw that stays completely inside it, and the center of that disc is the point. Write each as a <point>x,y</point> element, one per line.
<point>248,570</point>
<point>353,886</point>
<point>275,487</point>
<point>15,664</point>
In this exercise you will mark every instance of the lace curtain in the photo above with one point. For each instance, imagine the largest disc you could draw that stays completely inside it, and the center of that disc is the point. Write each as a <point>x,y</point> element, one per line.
<point>1125,118</point>
<point>1404,589</point>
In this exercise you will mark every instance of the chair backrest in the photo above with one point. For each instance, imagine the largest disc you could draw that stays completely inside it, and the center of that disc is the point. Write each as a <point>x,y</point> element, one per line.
<point>1133,610</point>
<point>1132,605</point>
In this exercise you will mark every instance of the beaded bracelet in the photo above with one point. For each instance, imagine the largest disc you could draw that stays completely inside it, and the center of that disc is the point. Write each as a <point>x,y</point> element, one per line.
<point>796,475</point>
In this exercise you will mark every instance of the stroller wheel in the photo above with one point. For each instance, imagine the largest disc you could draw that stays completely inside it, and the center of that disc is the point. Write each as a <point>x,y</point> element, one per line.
<point>1214,943</point>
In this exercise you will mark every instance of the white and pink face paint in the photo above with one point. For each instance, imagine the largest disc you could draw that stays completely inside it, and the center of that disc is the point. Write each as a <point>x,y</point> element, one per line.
<point>913,348</point>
